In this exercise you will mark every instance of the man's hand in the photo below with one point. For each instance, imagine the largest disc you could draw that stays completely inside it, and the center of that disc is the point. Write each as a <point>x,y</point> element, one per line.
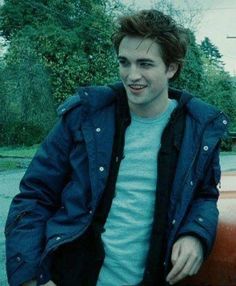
<point>186,258</point>
<point>34,283</point>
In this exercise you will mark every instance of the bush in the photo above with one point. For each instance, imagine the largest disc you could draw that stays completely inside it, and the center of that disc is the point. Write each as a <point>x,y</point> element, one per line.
<point>226,144</point>
<point>20,133</point>
<point>28,108</point>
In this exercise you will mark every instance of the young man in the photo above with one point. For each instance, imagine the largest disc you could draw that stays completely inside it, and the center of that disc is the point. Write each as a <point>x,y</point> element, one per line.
<point>123,190</point>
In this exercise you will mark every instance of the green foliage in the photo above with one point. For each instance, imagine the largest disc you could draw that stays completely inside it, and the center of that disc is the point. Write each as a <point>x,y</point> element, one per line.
<point>211,52</point>
<point>20,133</point>
<point>16,15</point>
<point>192,74</point>
<point>218,89</point>
<point>57,45</point>
<point>26,93</point>
<point>226,144</point>
<point>204,76</point>
<point>72,39</point>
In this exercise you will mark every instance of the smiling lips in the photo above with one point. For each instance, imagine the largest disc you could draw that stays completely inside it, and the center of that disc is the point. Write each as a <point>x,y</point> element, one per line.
<point>136,88</point>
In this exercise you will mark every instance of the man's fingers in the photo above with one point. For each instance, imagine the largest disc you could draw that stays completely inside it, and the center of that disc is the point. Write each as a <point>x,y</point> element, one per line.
<point>187,257</point>
<point>195,267</point>
<point>175,253</point>
<point>188,268</point>
<point>177,267</point>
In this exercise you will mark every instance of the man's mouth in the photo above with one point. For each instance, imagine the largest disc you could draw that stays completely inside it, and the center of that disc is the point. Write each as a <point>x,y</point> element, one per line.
<point>137,87</point>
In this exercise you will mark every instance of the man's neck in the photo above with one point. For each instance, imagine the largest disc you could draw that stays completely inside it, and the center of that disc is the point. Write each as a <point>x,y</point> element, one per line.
<point>152,109</point>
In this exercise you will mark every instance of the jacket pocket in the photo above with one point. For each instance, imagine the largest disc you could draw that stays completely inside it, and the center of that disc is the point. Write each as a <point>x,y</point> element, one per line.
<point>13,264</point>
<point>12,223</point>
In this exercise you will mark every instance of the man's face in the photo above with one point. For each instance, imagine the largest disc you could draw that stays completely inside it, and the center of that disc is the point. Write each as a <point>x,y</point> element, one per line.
<point>144,74</point>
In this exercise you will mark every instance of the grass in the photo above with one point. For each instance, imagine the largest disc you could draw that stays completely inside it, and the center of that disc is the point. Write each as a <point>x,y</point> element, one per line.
<point>11,157</point>
<point>8,165</point>
<point>228,153</point>
<point>20,152</point>
<point>233,152</point>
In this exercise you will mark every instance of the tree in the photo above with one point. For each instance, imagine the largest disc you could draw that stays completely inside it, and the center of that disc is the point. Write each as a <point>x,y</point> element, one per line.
<point>72,37</point>
<point>218,89</point>
<point>212,53</point>
<point>28,111</point>
<point>191,77</point>
<point>67,44</point>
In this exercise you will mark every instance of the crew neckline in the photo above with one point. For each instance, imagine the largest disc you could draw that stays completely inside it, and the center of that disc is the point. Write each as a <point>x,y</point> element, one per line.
<point>172,103</point>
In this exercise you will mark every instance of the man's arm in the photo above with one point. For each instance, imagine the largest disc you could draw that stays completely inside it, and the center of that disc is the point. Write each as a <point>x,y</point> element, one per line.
<point>38,200</point>
<point>197,234</point>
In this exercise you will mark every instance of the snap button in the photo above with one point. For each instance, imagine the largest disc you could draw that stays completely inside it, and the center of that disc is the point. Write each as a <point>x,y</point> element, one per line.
<point>205,148</point>
<point>117,159</point>
<point>41,276</point>
<point>173,221</point>
<point>225,122</point>
<point>85,93</point>
<point>90,212</point>
<point>200,219</point>
<point>98,129</point>
<point>18,259</point>
<point>191,183</point>
<point>58,238</point>
<point>63,109</point>
<point>101,169</point>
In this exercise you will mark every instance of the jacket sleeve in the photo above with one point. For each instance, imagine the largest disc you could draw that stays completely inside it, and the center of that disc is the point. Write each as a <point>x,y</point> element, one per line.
<point>38,199</point>
<point>202,218</point>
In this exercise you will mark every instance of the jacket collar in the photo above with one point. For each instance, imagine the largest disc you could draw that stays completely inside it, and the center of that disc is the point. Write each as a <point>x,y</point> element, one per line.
<point>94,98</point>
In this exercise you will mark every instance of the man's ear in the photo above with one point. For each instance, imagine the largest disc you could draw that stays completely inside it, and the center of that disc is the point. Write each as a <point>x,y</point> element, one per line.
<point>172,69</point>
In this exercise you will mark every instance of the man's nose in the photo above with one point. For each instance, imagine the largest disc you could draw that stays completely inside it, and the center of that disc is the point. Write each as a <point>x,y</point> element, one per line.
<point>134,73</point>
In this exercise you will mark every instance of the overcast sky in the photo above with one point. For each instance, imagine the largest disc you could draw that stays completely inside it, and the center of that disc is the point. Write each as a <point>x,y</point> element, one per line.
<point>217,21</point>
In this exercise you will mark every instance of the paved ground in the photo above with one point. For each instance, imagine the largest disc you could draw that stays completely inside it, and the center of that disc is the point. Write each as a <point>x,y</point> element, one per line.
<point>9,182</point>
<point>228,162</point>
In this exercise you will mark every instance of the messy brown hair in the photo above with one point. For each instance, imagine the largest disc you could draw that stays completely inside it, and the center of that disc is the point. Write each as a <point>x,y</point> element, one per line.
<point>171,37</point>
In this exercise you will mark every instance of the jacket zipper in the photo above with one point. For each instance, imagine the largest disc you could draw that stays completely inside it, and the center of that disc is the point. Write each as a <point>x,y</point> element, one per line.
<point>198,148</point>
<point>53,247</point>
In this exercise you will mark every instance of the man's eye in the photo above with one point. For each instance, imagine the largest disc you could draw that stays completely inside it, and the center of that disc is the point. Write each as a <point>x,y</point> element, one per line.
<point>123,62</point>
<point>145,65</point>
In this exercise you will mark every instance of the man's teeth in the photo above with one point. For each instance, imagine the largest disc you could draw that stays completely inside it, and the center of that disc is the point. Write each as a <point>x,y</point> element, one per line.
<point>137,86</point>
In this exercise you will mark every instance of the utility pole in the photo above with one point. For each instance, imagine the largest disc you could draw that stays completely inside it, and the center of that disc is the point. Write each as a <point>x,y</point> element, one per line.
<point>231,37</point>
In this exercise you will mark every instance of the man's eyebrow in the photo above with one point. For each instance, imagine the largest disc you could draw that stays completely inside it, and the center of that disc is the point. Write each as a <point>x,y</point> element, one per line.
<point>145,60</point>
<point>138,60</point>
<point>121,58</point>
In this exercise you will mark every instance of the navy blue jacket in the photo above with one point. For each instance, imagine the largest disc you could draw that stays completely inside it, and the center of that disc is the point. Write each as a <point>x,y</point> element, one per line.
<point>65,180</point>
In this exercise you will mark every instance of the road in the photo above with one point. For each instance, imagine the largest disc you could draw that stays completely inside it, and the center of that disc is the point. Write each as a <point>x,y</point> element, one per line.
<point>9,182</point>
<point>228,163</point>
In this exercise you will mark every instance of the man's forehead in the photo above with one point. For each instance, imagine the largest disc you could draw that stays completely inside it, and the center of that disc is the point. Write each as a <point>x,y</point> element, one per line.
<point>139,45</point>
